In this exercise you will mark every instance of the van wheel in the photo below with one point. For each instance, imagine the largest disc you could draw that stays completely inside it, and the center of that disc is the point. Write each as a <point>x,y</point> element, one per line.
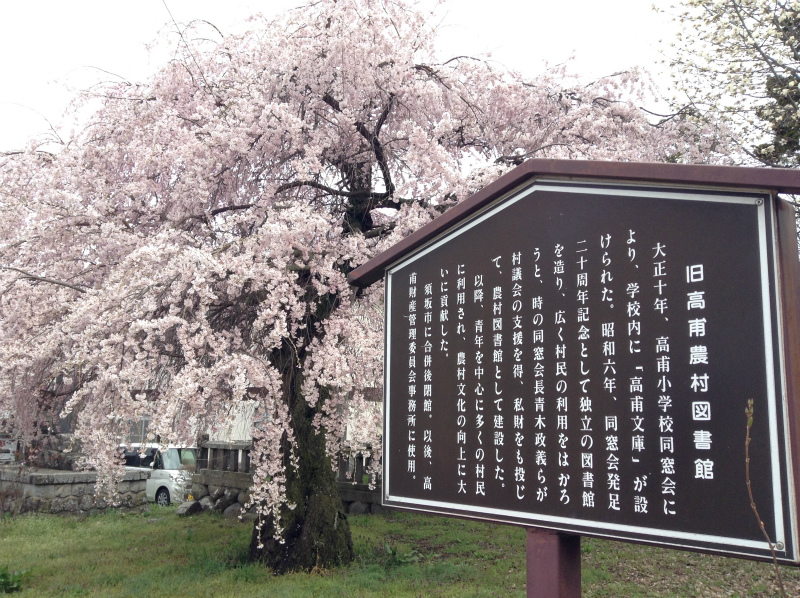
<point>162,497</point>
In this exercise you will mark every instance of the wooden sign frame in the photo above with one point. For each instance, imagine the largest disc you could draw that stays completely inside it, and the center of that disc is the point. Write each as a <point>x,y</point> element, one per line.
<point>646,182</point>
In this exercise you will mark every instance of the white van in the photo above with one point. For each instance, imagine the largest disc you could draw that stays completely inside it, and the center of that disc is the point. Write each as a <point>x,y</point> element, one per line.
<point>171,470</point>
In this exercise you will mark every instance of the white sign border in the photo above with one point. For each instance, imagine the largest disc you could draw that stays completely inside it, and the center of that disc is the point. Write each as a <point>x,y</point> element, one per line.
<point>630,190</point>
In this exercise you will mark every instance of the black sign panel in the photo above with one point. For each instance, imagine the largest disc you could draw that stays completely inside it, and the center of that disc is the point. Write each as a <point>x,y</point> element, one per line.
<point>579,357</point>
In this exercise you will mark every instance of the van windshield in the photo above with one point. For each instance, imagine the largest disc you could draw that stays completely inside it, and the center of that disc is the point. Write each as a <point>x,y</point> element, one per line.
<point>174,458</point>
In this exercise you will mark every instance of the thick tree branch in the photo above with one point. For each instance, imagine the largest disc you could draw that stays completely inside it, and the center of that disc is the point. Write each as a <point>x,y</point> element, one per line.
<point>377,148</point>
<point>381,230</point>
<point>29,276</point>
<point>331,101</point>
<point>315,185</point>
<point>431,73</point>
<point>231,208</point>
<point>330,190</point>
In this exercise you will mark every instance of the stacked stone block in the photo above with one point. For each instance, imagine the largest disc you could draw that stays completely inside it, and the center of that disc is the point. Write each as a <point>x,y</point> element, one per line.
<point>25,490</point>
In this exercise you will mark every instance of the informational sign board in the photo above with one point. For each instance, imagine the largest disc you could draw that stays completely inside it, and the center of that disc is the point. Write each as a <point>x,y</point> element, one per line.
<point>578,356</point>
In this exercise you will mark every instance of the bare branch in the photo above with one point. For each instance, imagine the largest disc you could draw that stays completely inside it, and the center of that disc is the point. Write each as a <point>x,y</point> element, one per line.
<point>29,276</point>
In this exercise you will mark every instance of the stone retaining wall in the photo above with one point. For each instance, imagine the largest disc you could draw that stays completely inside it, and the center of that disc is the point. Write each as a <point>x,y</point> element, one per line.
<point>223,491</point>
<point>25,490</point>
<point>358,499</point>
<point>59,451</point>
<point>228,491</point>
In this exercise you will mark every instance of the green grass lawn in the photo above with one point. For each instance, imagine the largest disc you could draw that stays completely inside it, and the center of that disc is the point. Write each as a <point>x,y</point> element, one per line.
<point>397,554</point>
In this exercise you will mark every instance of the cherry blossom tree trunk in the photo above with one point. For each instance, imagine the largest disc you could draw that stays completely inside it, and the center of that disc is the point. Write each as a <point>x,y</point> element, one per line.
<point>317,533</point>
<point>317,530</point>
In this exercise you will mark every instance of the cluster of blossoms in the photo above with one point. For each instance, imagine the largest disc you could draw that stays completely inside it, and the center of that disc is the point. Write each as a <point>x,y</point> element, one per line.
<point>736,61</point>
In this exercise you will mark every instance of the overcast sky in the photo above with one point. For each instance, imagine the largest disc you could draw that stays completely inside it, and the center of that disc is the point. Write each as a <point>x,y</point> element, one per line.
<point>50,48</point>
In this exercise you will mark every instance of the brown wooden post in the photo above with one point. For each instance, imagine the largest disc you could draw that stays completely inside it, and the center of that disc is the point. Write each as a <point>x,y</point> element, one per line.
<point>358,474</point>
<point>553,564</point>
<point>214,459</point>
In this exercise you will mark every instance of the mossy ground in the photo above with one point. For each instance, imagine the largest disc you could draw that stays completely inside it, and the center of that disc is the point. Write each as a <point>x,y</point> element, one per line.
<point>397,555</point>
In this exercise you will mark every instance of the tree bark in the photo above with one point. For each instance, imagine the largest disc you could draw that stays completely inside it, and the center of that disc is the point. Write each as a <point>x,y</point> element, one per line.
<point>317,533</point>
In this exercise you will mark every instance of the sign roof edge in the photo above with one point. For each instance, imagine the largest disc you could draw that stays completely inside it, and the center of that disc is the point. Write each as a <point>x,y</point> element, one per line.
<point>772,179</point>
